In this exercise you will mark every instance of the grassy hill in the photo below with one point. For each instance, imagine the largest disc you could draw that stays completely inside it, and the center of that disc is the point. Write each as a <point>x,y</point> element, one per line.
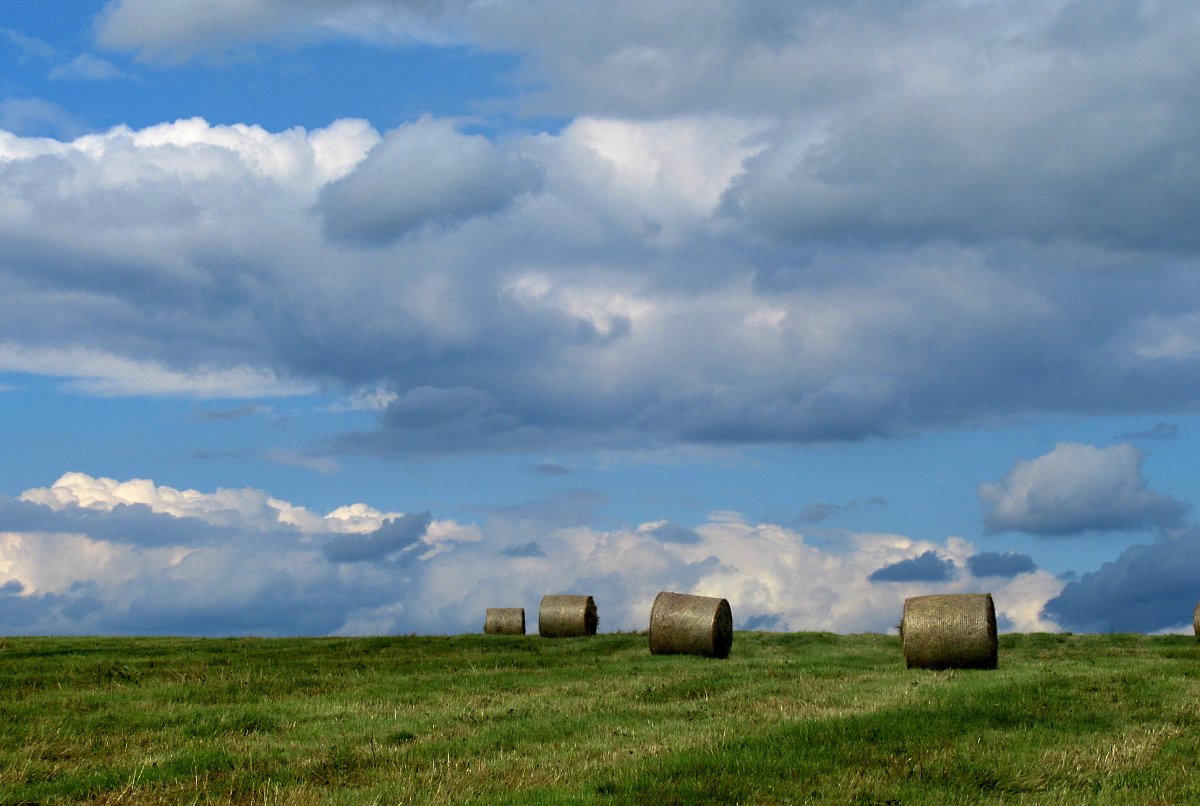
<point>789,718</point>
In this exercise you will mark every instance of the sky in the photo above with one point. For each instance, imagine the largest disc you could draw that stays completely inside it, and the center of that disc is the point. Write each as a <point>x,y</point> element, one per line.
<point>361,316</point>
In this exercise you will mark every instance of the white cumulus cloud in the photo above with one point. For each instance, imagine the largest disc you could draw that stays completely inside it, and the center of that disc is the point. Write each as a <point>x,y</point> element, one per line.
<point>98,554</point>
<point>1077,488</point>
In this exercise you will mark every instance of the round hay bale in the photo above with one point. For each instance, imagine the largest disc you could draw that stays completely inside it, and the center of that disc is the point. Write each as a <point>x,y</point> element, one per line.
<point>949,631</point>
<point>1196,620</point>
<point>563,615</point>
<point>504,621</point>
<point>682,624</point>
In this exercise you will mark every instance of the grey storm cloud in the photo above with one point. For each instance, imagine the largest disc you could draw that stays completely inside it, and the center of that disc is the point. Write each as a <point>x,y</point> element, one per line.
<point>75,606</point>
<point>818,512</point>
<point>530,549</point>
<point>1000,564</point>
<point>1161,430</point>
<point>759,225</point>
<point>1149,587</point>
<point>428,419</point>
<point>926,567</point>
<point>393,536</point>
<point>424,173</point>
<point>133,524</point>
<point>670,532</point>
<point>1075,489</point>
<point>278,604</point>
<point>429,407</point>
<point>815,513</point>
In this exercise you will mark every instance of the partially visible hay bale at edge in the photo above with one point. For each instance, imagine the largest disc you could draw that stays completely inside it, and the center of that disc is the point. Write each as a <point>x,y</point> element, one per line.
<point>562,615</point>
<point>950,631</point>
<point>681,623</point>
<point>1196,620</point>
<point>504,621</point>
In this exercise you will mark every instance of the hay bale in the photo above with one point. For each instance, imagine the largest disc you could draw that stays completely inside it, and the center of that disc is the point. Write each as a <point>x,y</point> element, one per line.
<point>504,621</point>
<point>682,624</point>
<point>562,615</point>
<point>949,631</point>
<point>1196,620</point>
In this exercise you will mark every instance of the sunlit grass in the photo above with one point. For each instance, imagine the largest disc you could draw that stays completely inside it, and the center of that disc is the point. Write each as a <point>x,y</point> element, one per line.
<point>789,718</point>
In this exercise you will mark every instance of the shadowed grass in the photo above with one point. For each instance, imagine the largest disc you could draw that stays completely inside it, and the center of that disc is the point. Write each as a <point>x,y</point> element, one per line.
<point>789,718</point>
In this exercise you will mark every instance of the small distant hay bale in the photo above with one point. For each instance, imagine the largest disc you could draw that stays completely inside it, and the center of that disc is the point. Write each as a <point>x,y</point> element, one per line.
<point>682,624</point>
<point>949,631</point>
<point>1196,620</point>
<point>563,615</point>
<point>505,621</point>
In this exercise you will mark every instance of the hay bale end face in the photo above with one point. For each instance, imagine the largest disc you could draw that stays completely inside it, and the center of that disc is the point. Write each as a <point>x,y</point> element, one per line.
<point>504,621</point>
<point>949,631</point>
<point>1196,620</point>
<point>567,616</point>
<point>682,624</point>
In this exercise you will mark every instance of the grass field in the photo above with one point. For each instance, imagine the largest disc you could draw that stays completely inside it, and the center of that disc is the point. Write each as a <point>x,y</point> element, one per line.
<point>789,718</point>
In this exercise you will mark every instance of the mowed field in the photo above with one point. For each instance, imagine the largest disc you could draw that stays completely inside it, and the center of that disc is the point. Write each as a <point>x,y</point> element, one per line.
<point>788,718</point>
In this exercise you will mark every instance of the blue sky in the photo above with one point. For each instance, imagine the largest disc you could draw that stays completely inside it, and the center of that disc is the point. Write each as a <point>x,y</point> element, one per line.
<point>362,317</point>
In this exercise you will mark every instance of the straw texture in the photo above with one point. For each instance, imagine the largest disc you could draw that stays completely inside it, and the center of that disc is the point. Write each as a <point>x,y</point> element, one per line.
<point>682,624</point>
<point>949,631</point>
<point>505,621</point>
<point>565,616</point>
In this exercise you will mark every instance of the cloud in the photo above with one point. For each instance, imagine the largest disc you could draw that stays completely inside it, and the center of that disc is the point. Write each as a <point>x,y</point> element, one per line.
<point>1161,430</point>
<point>367,399</point>
<point>28,47</point>
<point>1148,588</point>
<point>133,524</point>
<point>226,507</point>
<point>530,549</point>
<point>551,469</point>
<point>926,567</point>
<point>556,509</point>
<point>423,173</point>
<point>87,67</point>
<point>37,116</point>
<point>428,419</point>
<point>235,413</point>
<point>815,513</point>
<point>997,564</point>
<point>669,532</point>
<point>818,512</point>
<point>576,321</point>
<point>392,537</point>
<point>78,557</point>
<point>758,227</point>
<point>289,458</point>
<point>108,375</point>
<point>179,30</point>
<point>1077,488</point>
<point>763,621</point>
<point>99,555</point>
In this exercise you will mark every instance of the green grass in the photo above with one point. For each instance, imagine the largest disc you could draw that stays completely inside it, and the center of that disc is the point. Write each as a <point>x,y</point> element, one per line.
<point>789,718</point>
